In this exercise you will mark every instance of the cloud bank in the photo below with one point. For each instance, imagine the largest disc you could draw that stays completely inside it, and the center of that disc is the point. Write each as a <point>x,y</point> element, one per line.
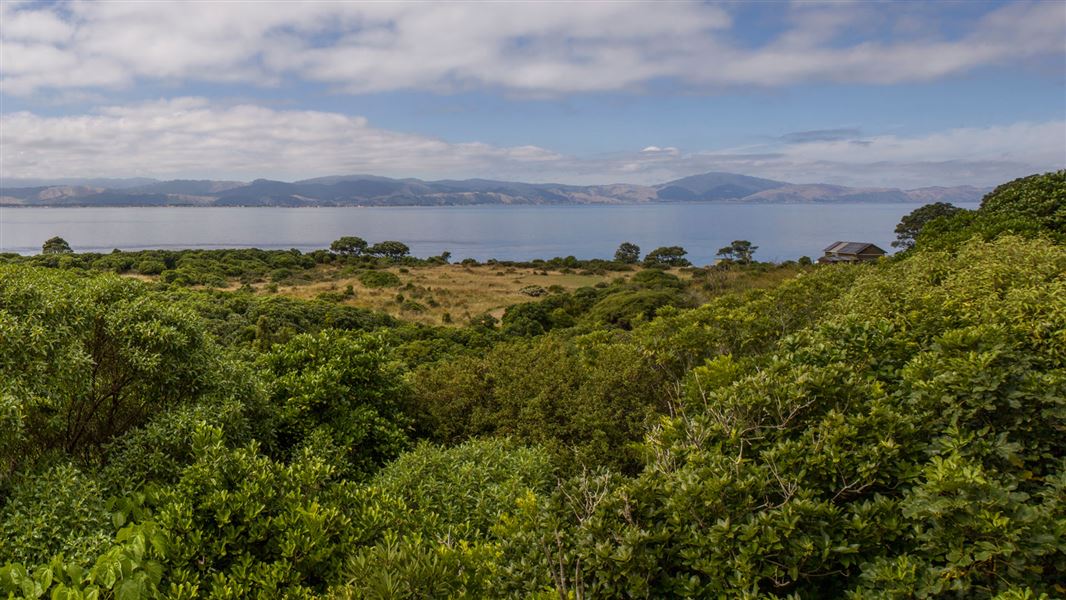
<point>523,48</point>
<point>195,138</point>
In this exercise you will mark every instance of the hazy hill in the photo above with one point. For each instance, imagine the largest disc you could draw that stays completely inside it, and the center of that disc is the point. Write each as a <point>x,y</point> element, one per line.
<point>371,190</point>
<point>193,187</point>
<point>828,193</point>
<point>715,186</point>
<point>100,182</point>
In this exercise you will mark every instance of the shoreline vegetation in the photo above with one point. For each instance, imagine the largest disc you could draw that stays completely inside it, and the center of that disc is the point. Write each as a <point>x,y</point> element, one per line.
<point>354,422</point>
<point>429,290</point>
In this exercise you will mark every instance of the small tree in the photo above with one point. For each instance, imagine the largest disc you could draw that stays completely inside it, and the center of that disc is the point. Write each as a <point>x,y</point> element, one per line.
<point>667,256</point>
<point>628,253</point>
<point>349,245</point>
<point>56,245</point>
<point>740,251</point>
<point>911,225</point>
<point>390,249</point>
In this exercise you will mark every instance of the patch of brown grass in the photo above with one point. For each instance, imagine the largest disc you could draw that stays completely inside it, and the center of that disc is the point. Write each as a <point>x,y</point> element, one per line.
<point>461,291</point>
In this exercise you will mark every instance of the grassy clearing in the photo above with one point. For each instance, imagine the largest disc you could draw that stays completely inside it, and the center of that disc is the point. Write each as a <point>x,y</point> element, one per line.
<point>443,294</point>
<point>430,292</point>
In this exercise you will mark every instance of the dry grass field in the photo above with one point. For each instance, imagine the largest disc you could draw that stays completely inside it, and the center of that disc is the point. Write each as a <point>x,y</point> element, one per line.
<point>459,291</point>
<point>455,293</point>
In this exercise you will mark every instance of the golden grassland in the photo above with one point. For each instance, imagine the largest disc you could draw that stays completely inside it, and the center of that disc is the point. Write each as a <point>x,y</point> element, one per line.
<point>463,292</point>
<point>443,294</point>
<point>460,291</point>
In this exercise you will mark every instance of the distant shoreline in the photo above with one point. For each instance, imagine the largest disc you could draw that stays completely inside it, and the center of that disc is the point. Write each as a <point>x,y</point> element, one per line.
<point>497,205</point>
<point>374,191</point>
<point>513,232</point>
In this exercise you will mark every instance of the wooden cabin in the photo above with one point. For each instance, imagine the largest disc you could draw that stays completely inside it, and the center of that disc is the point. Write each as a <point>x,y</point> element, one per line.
<point>851,252</point>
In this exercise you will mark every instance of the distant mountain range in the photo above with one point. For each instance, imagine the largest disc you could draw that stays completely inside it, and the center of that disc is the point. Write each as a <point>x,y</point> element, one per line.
<point>369,190</point>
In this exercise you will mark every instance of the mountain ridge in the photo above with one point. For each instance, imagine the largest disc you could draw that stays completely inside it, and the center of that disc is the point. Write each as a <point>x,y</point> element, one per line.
<point>373,190</point>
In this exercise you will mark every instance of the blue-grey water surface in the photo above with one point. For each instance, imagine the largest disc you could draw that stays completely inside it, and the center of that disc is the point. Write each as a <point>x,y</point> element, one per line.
<point>781,231</point>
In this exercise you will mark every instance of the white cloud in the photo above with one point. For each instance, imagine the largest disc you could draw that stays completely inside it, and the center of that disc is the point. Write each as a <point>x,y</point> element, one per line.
<point>532,48</point>
<point>35,26</point>
<point>189,137</point>
<point>977,156</point>
<point>194,138</point>
<point>668,151</point>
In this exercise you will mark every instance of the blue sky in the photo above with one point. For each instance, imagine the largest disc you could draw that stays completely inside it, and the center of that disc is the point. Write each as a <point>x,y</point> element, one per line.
<point>856,93</point>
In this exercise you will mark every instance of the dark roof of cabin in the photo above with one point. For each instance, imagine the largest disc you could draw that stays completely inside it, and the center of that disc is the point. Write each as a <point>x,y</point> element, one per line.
<point>851,247</point>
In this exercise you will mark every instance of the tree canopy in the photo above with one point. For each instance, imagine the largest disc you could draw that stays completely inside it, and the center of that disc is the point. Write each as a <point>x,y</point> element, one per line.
<point>628,253</point>
<point>56,245</point>
<point>1029,206</point>
<point>390,249</point>
<point>740,251</point>
<point>910,226</point>
<point>667,256</point>
<point>349,245</point>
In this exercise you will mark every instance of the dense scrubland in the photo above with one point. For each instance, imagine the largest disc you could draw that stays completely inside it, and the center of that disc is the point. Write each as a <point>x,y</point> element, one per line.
<point>889,430</point>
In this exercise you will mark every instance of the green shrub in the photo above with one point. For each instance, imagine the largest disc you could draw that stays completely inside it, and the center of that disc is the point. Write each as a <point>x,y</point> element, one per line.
<point>1029,206</point>
<point>338,386</point>
<point>655,279</point>
<point>87,359</point>
<point>236,521</point>
<point>461,492</point>
<point>585,402</point>
<point>58,511</point>
<point>909,443</point>
<point>156,453</point>
<point>331,297</point>
<point>279,275</point>
<point>449,494</point>
<point>379,279</point>
<point>625,309</point>
<point>150,267</point>
<point>412,306</point>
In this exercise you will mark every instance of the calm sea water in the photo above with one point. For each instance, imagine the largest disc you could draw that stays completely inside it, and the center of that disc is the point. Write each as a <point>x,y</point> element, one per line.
<point>781,231</point>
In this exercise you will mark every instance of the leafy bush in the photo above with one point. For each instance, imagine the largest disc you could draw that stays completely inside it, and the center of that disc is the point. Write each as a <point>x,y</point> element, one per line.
<point>654,279</point>
<point>156,453</point>
<point>449,494</point>
<point>412,306</point>
<point>460,492</point>
<point>1029,206</point>
<point>909,441</point>
<point>332,297</point>
<point>151,267</point>
<point>587,403</point>
<point>336,385</point>
<point>87,359</point>
<point>911,225</point>
<point>626,309</point>
<point>236,522</point>
<point>379,279</point>
<point>57,511</point>
<point>128,569</point>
